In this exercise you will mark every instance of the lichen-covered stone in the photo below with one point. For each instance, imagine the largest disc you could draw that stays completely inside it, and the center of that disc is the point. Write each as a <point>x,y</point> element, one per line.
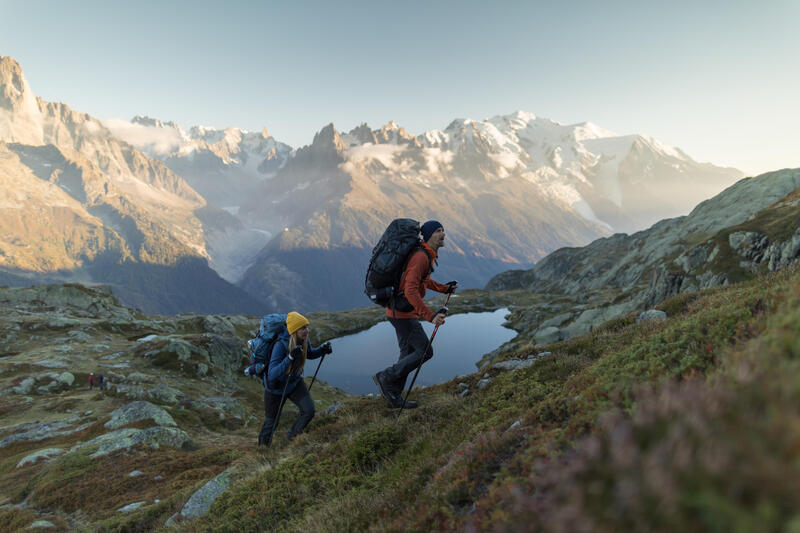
<point>199,503</point>
<point>66,378</point>
<point>514,364</point>
<point>45,453</point>
<point>125,438</point>
<point>651,314</point>
<point>40,524</point>
<point>136,411</point>
<point>37,431</point>
<point>130,507</point>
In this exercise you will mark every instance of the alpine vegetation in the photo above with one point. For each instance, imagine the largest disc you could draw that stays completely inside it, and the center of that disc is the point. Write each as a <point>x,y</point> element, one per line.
<point>665,400</point>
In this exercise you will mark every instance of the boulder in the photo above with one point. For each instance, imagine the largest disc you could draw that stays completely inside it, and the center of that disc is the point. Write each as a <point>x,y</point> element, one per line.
<point>25,386</point>
<point>130,507</point>
<point>45,453</point>
<point>651,314</point>
<point>136,411</point>
<point>547,335</point>
<point>138,377</point>
<point>78,336</point>
<point>219,325</point>
<point>39,524</point>
<point>52,363</point>
<point>165,394</point>
<point>37,431</point>
<point>50,387</point>
<point>556,320</point>
<point>179,348</point>
<point>124,439</point>
<point>199,503</point>
<point>66,378</point>
<point>514,364</point>
<point>132,392</point>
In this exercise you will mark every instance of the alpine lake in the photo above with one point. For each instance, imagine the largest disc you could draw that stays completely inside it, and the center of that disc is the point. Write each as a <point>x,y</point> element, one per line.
<point>459,344</point>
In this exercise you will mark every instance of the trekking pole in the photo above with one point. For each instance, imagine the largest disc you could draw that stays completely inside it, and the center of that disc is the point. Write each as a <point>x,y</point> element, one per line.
<point>326,349</point>
<point>280,408</point>
<point>315,373</point>
<point>430,341</point>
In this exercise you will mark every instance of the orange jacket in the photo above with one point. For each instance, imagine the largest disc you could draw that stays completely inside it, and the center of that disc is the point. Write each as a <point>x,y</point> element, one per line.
<point>413,283</point>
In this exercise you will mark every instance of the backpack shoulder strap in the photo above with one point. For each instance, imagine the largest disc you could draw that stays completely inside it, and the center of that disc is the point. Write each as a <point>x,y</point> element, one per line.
<point>430,259</point>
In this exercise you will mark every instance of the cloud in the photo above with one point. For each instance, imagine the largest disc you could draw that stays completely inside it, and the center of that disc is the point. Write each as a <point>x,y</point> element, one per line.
<point>150,139</point>
<point>437,160</point>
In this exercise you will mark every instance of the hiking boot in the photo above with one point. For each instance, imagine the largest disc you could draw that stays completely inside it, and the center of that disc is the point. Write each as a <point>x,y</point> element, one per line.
<point>391,397</point>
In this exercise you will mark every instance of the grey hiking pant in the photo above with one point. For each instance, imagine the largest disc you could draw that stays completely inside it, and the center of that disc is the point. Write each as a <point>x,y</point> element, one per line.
<point>301,398</point>
<point>412,341</point>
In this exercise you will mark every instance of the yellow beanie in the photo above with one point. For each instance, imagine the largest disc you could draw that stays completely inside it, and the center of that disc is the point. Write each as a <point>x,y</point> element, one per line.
<point>295,321</point>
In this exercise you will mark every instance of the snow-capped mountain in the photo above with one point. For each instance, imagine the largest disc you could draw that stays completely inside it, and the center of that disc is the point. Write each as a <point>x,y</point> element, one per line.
<point>627,182</point>
<point>225,166</point>
<point>295,227</point>
<point>78,204</point>
<point>509,190</point>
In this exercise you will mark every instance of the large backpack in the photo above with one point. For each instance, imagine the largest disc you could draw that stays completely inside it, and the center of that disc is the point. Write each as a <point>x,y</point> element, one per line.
<point>389,259</point>
<point>261,345</point>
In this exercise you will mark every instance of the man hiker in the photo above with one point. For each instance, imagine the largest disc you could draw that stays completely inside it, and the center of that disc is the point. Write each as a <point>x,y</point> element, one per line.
<point>100,381</point>
<point>406,312</point>
<point>91,380</point>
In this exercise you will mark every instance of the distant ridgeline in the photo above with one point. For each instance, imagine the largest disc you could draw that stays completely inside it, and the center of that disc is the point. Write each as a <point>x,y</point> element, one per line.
<point>750,228</point>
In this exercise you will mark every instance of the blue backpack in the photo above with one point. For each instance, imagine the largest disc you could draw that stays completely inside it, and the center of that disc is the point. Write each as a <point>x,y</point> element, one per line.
<point>261,345</point>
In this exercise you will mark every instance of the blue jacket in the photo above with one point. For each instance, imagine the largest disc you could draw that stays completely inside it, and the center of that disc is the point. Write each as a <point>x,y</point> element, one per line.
<point>279,362</point>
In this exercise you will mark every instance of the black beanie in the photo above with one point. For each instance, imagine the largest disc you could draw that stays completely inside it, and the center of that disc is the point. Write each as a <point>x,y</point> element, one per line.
<point>429,227</point>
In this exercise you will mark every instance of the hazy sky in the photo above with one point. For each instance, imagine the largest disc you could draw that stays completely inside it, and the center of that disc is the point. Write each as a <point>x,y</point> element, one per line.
<point>719,79</point>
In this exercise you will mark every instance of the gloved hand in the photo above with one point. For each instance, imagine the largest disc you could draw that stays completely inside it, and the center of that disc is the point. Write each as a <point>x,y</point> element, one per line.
<point>451,287</point>
<point>254,370</point>
<point>326,348</point>
<point>294,354</point>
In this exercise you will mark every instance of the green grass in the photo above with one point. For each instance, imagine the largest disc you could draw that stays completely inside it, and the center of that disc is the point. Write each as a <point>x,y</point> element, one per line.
<point>455,462</point>
<point>685,424</point>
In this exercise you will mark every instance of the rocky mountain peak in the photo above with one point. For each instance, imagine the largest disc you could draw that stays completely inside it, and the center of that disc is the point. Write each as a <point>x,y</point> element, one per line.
<point>392,133</point>
<point>265,133</point>
<point>20,116</point>
<point>363,134</point>
<point>328,140</point>
<point>13,86</point>
<point>144,120</point>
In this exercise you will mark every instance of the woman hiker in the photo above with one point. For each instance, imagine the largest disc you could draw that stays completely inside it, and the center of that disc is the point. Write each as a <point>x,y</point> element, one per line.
<point>285,376</point>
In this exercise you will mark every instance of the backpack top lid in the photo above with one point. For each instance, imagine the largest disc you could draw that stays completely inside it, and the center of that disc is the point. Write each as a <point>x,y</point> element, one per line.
<point>271,325</point>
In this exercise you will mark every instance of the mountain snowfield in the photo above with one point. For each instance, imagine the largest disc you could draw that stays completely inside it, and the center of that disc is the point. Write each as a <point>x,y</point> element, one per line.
<point>280,221</point>
<point>624,183</point>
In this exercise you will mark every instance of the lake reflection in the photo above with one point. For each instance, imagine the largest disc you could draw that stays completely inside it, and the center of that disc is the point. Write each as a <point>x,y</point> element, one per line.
<point>458,345</point>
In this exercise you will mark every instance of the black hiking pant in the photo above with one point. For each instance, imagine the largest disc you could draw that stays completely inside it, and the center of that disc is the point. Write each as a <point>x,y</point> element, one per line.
<point>301,398</point>
<point>412,341</point>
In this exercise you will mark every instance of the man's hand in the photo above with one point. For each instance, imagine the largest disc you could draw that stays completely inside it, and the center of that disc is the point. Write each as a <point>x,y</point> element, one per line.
<point>438,318</point>
<point>451,287</point>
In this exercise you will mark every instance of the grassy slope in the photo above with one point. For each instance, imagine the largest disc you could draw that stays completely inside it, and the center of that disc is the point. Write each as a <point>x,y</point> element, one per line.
<point>688,424</point>
<point>685,424</point>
